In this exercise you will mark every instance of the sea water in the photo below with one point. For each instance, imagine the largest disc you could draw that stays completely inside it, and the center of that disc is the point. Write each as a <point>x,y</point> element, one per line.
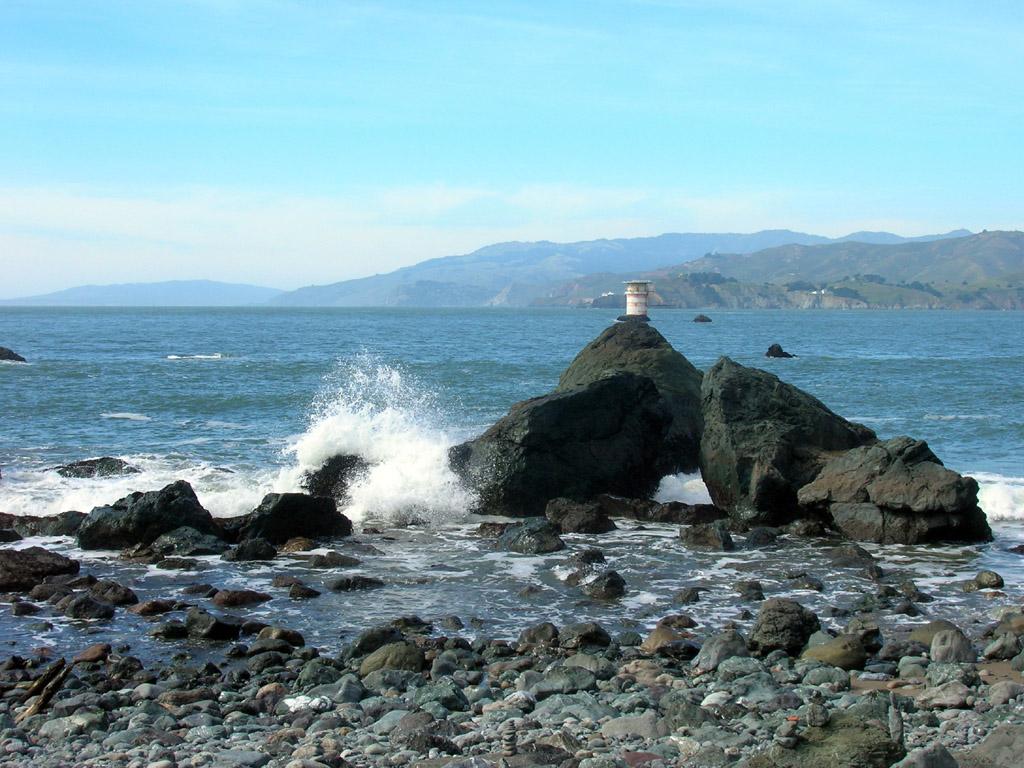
<point>242,402</point>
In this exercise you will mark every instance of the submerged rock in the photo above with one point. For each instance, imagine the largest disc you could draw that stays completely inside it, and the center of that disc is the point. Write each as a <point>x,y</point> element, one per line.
<point>604,437</point>
<point>897,492</point>
<point>533,537</point>
<point>575,517</point>
<point>640,349</point>
<point>140,518</point>
<point>11,356</point>
<point>105,466</point>
<point>702,319</point>
<point>764,440</point>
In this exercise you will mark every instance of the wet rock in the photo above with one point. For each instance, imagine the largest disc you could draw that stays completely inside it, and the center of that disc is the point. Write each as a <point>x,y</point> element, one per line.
<point>141,518</point>
<point>249,550</point>
<point>578,517</point>
<point>200,623</point>
<point>284,516</point>
<point>64,524</point>
<point>85,607</point>
<point>750,591</point>
<point>352,583</point>
<point>650,511</point>
<point>776,350</point>
<point>712,537</point>
<point>702,319</point>
<point>232,598</point>
<point>988,580</point>
<point>782,624</point>
<point>639,348</point>
<point>332,559</point>
<point>94,653</point>
<point>607,586</point>
<point>151,607</point>
<point>22,569</point>
<point>533,537</point>
<point>107,591</point>
<point>604,437</point>
<point>105,466</point>
<point>302,592</point>
<point>764,440</point>
<point>688,595</point>
<point>11,356</point>
<point>585,634</point>
<point>540,634</point>
<point>897,492</point>
<point>334,476</point>
<point>188,542</point>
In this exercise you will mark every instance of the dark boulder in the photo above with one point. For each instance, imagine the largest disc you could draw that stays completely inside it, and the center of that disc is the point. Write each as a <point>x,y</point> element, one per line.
<point>764,440</point>
<point>712,537</point>
<point>203,624</point>
<point>604,437</point>
<point>85,607</point>
<point>64,524</point>
<point>188,542</point>
<point>650,511</point>
<point>606,586</point>
<point>11,356</point>
<point>334,476</point>
<point>782,624</point>
<point>284,516</point>
<point>702,319</point>
<point>584,634</point>
<point>107,591</point>
<point>22,569</point>
<point>105,466</point>
<point>640,349</point>
<point>776,350</point>
<point>141,518</point>
<point>353,583</point>
<point>233,598</point>
<point>897,492</point>
<point>533,537</point>
<point>249,550</point>
<point>578,517</point>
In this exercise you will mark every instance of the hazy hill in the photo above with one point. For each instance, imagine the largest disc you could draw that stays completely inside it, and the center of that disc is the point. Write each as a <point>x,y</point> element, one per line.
<point>984,271</point>
<point>984,256</point>
<point>174,293</point>
<point>513,274</point>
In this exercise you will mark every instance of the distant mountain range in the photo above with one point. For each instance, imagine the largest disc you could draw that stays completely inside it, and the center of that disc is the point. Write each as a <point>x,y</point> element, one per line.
<point>774,268</point>
<point>515,274</point>
<point>173,293</point>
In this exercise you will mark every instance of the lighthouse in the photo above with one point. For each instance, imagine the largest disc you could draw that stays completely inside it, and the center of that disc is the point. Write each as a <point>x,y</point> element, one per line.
<point>636,299</point>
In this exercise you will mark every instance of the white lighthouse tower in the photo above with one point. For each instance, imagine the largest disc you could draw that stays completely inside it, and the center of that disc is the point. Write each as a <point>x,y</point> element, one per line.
<point>636,299</point>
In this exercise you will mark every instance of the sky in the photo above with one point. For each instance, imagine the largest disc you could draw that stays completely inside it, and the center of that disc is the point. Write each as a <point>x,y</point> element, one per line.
<point>288,143</point>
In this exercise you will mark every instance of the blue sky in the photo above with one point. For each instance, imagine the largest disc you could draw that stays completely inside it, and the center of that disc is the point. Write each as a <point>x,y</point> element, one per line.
<point>288,143</point>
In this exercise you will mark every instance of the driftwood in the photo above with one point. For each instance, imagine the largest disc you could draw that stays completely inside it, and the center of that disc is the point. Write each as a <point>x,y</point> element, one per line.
<point>44,688</point>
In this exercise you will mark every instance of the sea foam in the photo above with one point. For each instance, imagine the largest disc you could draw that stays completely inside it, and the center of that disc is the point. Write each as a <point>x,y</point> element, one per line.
<point>1001,498</point>
<point>380,413</point>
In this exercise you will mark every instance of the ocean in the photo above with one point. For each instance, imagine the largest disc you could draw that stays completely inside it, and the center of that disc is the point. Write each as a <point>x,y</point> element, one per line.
<point>240,402</point>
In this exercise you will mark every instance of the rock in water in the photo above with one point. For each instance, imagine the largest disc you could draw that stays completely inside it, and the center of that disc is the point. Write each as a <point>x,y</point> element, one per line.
<point>22,569</point>
<point>702,319</point>
<point>334,476</point>
<point>764,440</point>
<point>782,624</point>
<point>776,350</point>
<point>140,518</point>
<point>897,492</point>
<point>638,348</point>
<point>284,516</point>
<point>604,437</point>
<point>11,356</point>
<point>105,466</point>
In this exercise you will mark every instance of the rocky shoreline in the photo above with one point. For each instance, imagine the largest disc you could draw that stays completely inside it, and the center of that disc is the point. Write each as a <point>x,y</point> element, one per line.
<point>408,693</point>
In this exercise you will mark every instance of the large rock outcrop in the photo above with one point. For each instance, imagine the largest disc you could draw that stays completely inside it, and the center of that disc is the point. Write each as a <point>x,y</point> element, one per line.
<point>765,439</point>
<point>897,492</point>
<point>140,518</point>
<point>604,437</point>
<point>638,348</point>
<point>284,516</point>
<point>22,569</point>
